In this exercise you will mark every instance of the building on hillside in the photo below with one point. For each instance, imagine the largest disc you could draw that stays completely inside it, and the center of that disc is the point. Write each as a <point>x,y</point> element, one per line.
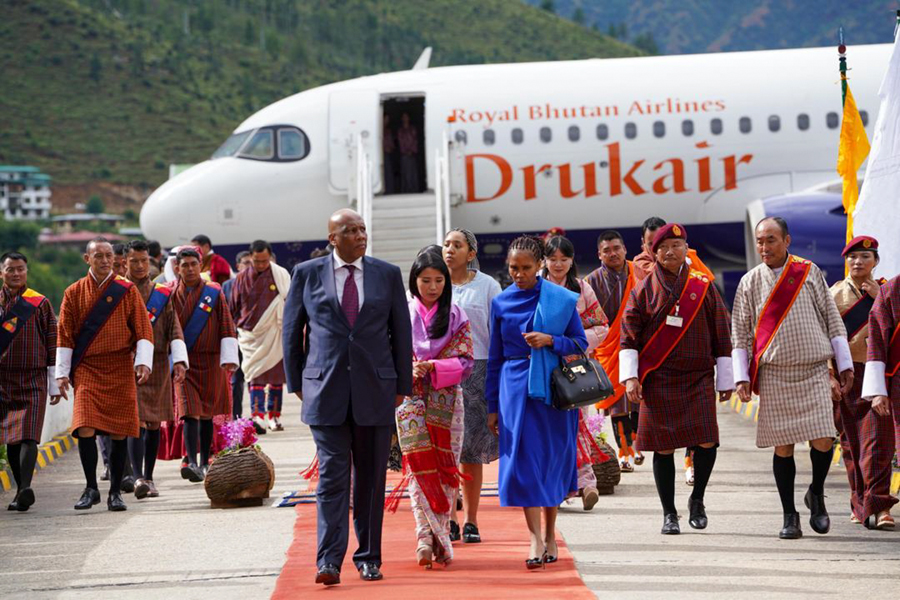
<point>24,193</point>
<point>74,221</point>
<point>75,240</point>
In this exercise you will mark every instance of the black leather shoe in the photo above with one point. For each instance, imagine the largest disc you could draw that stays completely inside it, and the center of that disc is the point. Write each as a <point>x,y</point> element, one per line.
<point>192,473</point>
<point>470,534</point>
<point>89,497</point>
<point>818,517</point>
<point>454,531</point>
<point>670,525</point>
<point>698,518</point>
<point>791,529</point>
<point>24,499</point>
<point>328,575</point>
<point>128,484</point>
<point>13,505</point>
<point>115,503</point>
<point>369,571</point>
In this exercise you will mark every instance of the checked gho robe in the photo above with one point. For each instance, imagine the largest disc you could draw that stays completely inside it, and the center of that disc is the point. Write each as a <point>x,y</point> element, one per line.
<point>679,407</point>
<point>155,396</point>
<point>866,437</point>
<point>104,381</point>
<point>206,390</point>
<point>794,385</point>
<point>257,301</point>
<point>26,369</point>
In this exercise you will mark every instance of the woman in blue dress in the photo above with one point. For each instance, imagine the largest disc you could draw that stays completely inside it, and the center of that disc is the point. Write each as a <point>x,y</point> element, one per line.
<point>533,323</point>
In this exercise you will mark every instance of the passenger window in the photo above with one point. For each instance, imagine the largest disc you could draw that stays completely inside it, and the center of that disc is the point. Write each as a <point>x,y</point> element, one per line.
<point>546,135</point>
<point>291,144</point>
<point>602,132</point>
<point>831,120</point>
<point>864,115</point>
<point>517,136</point>
<point>261,145</point>
<point>803,121</point>
<point>574,133</point>
<point>745,125</point>
<point>488,137</point>
<point>461,137</point>
<point>774,123</point>
<point>630,131</point>
<point>687,127</point>
<point>715,126</point>
<point>659,129</point>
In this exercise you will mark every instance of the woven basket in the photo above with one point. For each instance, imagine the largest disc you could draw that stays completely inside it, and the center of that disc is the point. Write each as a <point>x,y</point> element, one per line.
<point>607,472</point>
<point>241,478</point>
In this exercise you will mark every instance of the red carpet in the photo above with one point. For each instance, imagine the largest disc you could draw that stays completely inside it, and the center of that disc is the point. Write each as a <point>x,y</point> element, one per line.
<point>493,569</point>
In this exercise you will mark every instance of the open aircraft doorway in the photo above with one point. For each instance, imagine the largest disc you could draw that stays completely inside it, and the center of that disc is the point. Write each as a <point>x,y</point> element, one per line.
<point>403,145</point>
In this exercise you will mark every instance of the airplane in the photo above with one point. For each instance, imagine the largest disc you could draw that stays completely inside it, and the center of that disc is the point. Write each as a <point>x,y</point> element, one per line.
<point>712,141</point>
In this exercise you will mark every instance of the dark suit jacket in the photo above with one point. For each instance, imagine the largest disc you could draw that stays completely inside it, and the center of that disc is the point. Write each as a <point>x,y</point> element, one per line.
<point>367,365</point>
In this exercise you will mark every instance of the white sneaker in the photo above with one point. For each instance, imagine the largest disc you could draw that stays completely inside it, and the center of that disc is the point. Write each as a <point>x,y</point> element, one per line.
<point>260,424</point>
<point>270,422</point>
<point>278,425</point>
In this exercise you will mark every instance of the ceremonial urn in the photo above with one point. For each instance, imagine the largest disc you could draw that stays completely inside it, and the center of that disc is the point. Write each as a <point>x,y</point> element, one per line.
<point>241,474</point>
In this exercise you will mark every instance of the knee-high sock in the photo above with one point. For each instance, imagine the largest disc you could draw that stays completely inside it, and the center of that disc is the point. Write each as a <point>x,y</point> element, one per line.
<point>206,436</point>
<point>191,439</point>
<point>118,456</point>
<point>275,400</point>
<point>136,454</point>
<point>785,471</point>
<point>151,447</point>
<point>87,452</point>
<point>15,462</point>
<point>821,462</point>
<point>664,475</point>
<point>623,434</point>
<point>704,460</point>
<point>257,400</point>
<point>27,459</point>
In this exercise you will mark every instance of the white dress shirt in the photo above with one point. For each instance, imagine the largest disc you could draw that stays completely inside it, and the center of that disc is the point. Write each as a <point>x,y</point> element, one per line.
<point>340,277</point>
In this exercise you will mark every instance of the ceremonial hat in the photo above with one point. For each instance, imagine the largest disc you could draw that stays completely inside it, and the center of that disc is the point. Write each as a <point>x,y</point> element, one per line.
<point>670,231</point>
<point>861,242</point>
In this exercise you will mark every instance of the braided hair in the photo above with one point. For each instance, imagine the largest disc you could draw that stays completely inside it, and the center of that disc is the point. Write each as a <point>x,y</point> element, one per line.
<point>472,242</point>
<point>528,243</point>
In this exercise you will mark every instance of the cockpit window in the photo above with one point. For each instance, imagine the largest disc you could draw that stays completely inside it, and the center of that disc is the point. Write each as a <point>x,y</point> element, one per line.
<point>291,144</point>
<point>232,144</point>
<point>260,146</point>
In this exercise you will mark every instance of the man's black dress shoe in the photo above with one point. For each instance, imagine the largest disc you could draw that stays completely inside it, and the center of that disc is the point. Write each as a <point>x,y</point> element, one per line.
<point>670,525</point>
<point>454,531</point>
<point>698,518</point>
<point>470,534</point>
<point>192,473</point>
<point>328,575</point>
<point>115,503</point>
<point>89,497</point>
<point>128,484</point>
<point>791,529</point>
<point>24,499</point>
<point>818,517</point>
<point>369,571</point>
<point>13,505</point>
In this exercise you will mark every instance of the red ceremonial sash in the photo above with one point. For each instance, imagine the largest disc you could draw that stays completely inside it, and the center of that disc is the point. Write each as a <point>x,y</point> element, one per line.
<point>779,303</point>
<point>14,321</point>
<point>666,337</point>
<point>607,353</point>
<point>893,362</point>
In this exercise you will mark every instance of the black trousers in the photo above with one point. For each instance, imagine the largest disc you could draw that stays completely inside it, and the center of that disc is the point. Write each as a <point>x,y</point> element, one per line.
<point>366,450</point>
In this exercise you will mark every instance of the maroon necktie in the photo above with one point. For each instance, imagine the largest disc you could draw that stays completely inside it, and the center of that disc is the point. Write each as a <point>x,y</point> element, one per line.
<point>350,296</point>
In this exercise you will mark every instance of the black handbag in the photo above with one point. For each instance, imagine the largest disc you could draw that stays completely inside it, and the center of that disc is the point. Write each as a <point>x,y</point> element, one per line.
<point>579,383</point>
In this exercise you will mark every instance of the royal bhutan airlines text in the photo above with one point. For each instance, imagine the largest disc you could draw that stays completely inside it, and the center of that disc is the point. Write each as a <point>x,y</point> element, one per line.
<point>625,175</point>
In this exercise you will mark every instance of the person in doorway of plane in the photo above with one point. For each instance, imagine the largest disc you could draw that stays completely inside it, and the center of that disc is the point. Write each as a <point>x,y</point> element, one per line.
<point>389,152</point>
<point>212,267</point>
<point>408,142</point>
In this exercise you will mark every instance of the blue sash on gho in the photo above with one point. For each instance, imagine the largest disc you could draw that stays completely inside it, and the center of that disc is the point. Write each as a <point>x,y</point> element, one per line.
<point>200,316</point>
<point>157,301</point>
<point>99,314</point>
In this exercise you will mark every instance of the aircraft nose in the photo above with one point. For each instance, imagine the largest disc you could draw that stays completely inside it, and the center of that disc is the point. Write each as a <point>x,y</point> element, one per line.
<point>169,214</point>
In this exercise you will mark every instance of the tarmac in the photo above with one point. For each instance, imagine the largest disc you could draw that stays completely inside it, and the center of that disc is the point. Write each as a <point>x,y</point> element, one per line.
<point>175,546</point>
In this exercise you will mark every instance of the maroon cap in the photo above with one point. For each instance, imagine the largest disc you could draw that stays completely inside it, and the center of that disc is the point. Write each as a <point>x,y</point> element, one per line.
<point>861,242</point>
<point>672,230</point>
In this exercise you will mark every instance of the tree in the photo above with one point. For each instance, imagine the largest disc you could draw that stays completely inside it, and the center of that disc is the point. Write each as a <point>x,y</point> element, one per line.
<point>94,205</point>
<point>19,234</point>
<point>96,67</point>
<point>578,16</point>
<point>645,42</point>
<point>249,33</point>
<point>549,6</point>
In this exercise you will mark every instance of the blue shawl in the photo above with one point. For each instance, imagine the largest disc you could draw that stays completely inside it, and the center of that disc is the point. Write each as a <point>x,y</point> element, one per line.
<point>552,316</point>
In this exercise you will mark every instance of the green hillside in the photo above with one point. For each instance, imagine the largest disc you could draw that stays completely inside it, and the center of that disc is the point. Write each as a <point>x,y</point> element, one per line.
<point>118,89</point>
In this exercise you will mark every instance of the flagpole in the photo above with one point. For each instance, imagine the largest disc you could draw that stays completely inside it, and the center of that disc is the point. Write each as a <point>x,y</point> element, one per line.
<point>842,63</point>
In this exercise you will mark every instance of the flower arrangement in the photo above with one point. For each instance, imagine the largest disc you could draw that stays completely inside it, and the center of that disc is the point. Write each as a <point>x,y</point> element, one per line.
<point>595,426</point>
<point>236,434</point>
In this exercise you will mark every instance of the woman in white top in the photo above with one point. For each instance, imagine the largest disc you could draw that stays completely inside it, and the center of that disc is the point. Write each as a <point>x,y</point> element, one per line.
<point>473,292</point>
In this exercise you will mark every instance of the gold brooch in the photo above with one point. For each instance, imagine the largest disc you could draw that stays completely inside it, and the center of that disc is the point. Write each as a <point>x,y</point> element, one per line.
<point>109,298</point>
<point>693,296</point>
<point>272,287</point>
<point>791,281</point>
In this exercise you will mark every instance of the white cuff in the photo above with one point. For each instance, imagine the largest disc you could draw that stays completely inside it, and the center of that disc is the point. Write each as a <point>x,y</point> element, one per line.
<point>842,354</point>
<point>143,354</point>
<point>740,365</point>
<point>874,383</point>
<point>628,365</point>
<point>724,374</point>
<point>63,361</point>
<point>228,348</point>
<point>179,352</point>
<point>52,386</point>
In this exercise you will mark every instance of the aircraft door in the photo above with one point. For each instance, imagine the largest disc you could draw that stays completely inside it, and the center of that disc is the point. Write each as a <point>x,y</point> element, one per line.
<point>352,116</point>
<point>457,167</point>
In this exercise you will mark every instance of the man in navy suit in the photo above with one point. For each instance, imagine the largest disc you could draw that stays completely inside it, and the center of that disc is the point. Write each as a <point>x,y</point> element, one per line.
<point>351,367</point>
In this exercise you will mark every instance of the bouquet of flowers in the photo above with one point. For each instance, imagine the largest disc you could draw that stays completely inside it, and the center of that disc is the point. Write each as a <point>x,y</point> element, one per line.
<point>235,435</point>
<point>595,426</point>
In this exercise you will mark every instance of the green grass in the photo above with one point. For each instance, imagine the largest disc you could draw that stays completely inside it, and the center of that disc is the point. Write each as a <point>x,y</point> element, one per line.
<point>115,89</point>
